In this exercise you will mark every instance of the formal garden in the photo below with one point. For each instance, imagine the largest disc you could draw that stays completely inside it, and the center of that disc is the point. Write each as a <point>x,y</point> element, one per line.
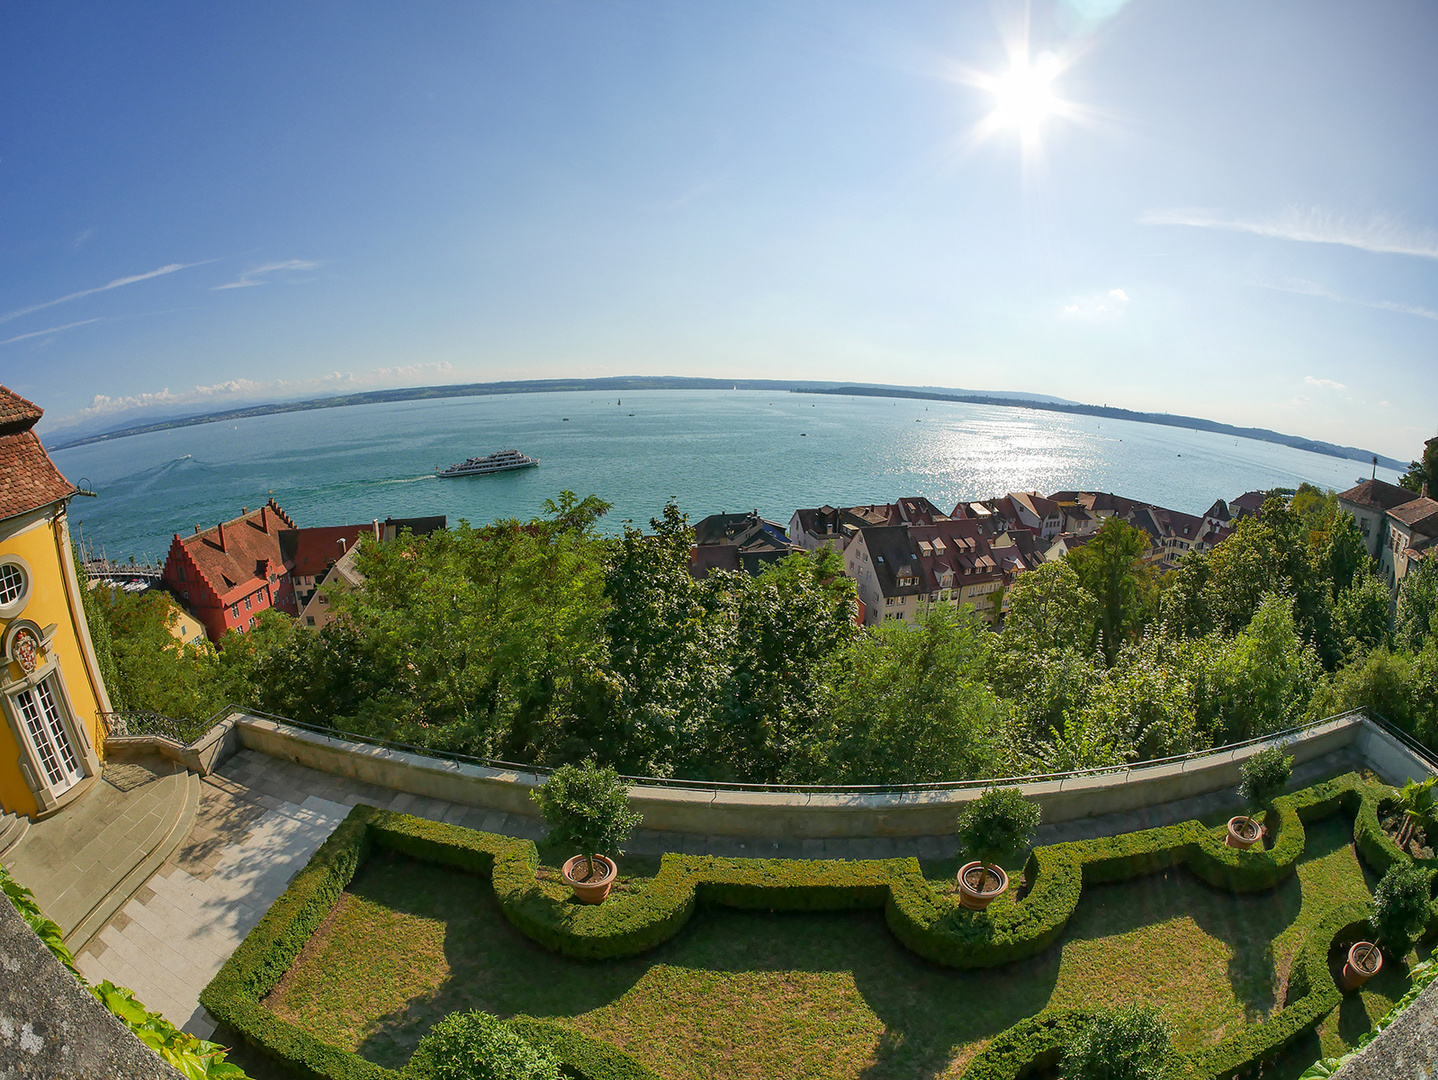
<point>403,940</point>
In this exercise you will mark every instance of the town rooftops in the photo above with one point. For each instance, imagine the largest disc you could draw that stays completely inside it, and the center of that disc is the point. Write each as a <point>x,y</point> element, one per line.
<point>28,478</point>
<point>1378,494</point>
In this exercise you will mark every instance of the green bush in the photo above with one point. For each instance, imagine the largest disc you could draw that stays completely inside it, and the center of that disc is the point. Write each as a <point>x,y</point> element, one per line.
<point>1265,775</point>
<point>478,1046</point>
<point>587,808</point>
<point>1400,907</point>
<point>1131,1042</point>
<point>998,824</point>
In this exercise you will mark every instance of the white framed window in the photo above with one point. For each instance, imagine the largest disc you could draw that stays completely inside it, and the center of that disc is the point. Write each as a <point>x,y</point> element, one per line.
<point>43,718</point>
<point>15,581</point>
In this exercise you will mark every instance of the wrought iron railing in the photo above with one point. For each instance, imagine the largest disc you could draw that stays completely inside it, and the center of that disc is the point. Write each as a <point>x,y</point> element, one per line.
<point>156,725</point>
<point>1283,736</point>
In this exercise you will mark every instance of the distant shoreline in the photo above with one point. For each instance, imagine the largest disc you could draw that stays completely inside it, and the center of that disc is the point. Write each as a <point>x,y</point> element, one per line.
<point>641,382</point>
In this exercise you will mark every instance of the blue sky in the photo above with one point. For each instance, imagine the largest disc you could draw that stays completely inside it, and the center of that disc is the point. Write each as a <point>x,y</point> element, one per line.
<point>1218,208</point>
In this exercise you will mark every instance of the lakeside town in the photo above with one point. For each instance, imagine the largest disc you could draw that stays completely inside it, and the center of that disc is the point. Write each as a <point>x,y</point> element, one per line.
<point>903,556</point>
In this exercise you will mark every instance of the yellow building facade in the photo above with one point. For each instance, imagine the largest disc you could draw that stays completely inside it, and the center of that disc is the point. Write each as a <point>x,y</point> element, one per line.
<point>52,695</point>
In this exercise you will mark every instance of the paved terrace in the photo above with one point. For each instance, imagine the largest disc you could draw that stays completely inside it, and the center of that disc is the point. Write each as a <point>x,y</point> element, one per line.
<point>260,819</point>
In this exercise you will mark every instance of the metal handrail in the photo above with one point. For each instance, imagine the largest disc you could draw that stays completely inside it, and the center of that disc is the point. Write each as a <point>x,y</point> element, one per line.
<point>1285,735</point>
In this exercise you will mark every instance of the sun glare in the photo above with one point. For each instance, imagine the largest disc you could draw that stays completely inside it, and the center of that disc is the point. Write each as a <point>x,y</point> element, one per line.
<point>1024,95</point>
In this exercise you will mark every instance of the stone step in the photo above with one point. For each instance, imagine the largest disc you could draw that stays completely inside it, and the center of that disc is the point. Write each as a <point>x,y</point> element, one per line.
<point>172,833</point>
<point>12,828</point>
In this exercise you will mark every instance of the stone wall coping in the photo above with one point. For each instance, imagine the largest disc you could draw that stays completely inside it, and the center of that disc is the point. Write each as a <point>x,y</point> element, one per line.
<point>794,814</point>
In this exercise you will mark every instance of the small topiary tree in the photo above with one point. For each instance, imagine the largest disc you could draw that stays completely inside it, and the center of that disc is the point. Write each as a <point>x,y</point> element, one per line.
<point>1400,907</point>
<point>998,824</point>
<point>1265,775</point>
<point>1131,1042</point>
<point>478,1046</point>
<point>587,807</point>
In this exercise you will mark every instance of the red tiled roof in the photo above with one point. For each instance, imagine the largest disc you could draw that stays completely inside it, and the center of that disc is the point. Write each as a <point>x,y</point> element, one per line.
<point>28,478</point>
<point>249,542</point>
<point>15,411</point>
<point>310,552</point>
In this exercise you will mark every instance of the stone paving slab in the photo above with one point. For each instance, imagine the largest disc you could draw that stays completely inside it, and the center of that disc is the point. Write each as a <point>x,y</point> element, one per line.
<point>73,860</point>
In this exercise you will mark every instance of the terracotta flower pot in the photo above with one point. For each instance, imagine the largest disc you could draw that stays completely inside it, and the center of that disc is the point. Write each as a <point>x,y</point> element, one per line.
<point>592,890</point>
<point>972,893</point>
<point>1243,833</point>
<point>1365,960</point>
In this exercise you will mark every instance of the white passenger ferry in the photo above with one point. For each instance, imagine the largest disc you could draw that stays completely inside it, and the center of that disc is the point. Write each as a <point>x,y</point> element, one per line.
<point>500,461</point>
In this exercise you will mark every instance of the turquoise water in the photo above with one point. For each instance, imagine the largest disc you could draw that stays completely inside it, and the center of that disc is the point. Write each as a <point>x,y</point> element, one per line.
<point>712,450</point>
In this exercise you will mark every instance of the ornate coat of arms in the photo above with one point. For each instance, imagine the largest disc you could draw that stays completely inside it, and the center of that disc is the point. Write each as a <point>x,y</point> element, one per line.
<point>26,650</point>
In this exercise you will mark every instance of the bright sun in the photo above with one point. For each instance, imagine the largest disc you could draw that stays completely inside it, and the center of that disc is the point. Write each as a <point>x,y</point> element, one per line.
<point>1023,96</point>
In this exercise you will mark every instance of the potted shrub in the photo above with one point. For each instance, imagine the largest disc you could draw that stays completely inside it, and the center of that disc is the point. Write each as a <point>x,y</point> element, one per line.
<point>1131,1042</point>
<point>1265,775</point>
<point>1400,911</point>
<point>587,807</point>
<point>998,824</point>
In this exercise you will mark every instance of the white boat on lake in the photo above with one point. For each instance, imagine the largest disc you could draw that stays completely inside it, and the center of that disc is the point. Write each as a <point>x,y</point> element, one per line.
<point>499,461</point>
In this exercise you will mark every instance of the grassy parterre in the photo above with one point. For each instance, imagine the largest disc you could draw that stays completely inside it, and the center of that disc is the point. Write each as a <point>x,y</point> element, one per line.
<point>823,994</point>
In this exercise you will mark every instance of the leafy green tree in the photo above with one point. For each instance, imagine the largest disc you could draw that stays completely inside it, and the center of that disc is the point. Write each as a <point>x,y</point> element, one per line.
<point>1399,685</point>
<point>1423,472</point>
<point>1146,702</point>
<point>1416,621</point>
<point>1110,568</point>
<point>1360,615</point>
<point>773,634</point>
<point>1050,610</point>
<point>1184,605</point>
<point>1131,1042</point>
<point>153,671</point>
<point>910,703</point>
<point>662,669</point>
<point>1345,556</point>
<point>1264,776</point>
<point>1262,680</point>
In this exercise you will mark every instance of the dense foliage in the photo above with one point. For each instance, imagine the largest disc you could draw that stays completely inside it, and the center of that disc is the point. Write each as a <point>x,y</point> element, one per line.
<point>1400,906</point>
<point>550,642</point>
<point>477,1046</point>
<point>1264,776</point>
<point>1131,1042</point>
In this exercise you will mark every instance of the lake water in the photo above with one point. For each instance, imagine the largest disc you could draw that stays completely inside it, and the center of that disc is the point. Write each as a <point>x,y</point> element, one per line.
<point>712,450</point>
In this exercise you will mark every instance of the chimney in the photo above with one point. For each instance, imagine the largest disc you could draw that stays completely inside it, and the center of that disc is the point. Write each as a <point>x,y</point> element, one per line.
<point>197,529</point>
<point>377,536</point>
<point>221,529</point>
<point>264,525</point>
<point>244,510</point>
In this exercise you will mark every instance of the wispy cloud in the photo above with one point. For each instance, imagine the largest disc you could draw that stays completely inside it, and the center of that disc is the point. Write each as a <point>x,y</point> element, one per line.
<point>1313,226</point>
<point>259,275</point>
<point>1301,287</point>
<point>51,330</point>
<point>117,283</point>
<point>236,391</point>
<point>1108,306</point>
<point>1323,384</point>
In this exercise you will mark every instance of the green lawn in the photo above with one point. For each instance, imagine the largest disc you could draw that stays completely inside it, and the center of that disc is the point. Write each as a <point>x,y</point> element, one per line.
<point>754,995</point>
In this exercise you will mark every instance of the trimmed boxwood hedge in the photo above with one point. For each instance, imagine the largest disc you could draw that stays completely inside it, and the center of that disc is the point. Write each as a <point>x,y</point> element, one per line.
<point>930,923</point>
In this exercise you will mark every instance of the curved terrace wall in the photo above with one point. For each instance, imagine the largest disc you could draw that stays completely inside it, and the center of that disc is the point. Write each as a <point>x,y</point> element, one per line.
<point>827,813</point>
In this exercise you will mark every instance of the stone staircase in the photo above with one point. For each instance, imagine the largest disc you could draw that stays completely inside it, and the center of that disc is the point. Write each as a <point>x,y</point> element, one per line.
<point>12,828</point>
